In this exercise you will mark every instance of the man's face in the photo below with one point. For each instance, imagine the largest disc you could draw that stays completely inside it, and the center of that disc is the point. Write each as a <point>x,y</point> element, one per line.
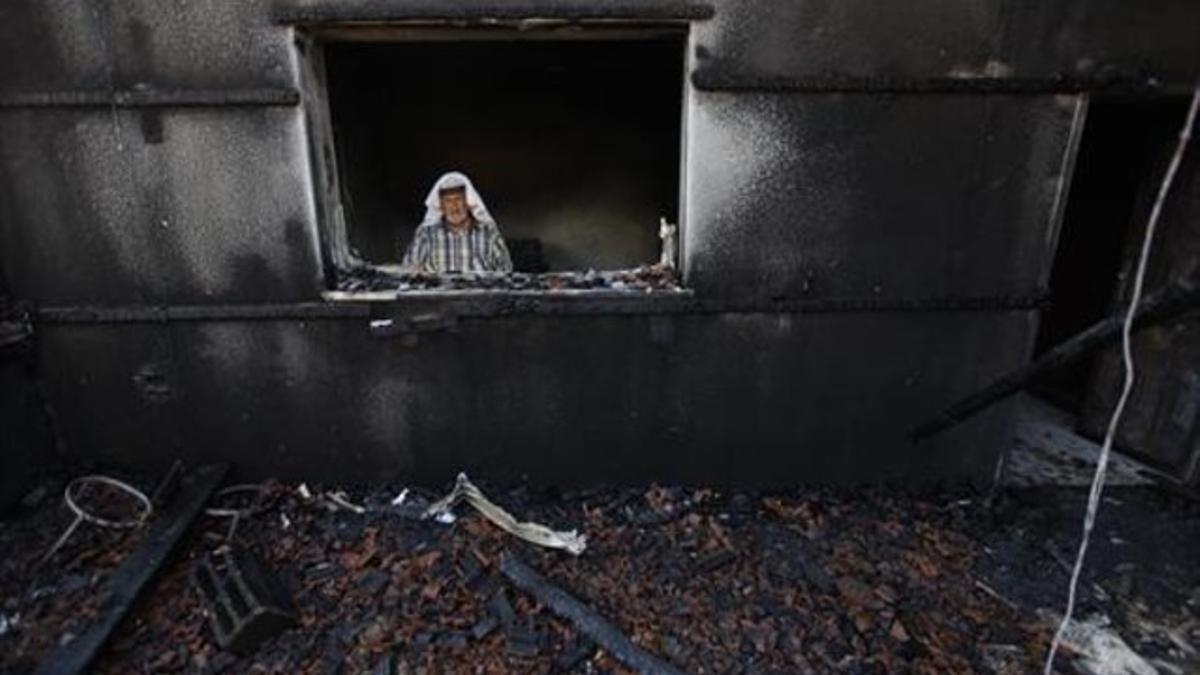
<point>454,207</point>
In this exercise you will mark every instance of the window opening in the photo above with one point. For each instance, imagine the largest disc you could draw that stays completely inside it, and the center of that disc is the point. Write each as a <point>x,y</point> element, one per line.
<point>1122,155</point>
<point>573,144</point>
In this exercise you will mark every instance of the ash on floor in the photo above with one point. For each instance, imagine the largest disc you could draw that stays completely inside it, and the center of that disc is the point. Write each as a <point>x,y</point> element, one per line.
<point>854,580</point>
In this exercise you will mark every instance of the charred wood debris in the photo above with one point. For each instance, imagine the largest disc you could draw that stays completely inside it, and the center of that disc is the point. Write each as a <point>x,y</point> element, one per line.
<point>855,580</point>
<point>645,278</point>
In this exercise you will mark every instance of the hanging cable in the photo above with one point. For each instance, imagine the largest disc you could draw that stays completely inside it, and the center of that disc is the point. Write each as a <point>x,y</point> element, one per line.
<point>1093,503</point>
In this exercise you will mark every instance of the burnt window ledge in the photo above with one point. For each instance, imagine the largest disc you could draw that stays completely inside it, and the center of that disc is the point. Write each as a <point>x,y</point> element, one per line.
<point>400,312</point>
<point>396,298</point>
<point>460,293</point>
<point>644,289</point>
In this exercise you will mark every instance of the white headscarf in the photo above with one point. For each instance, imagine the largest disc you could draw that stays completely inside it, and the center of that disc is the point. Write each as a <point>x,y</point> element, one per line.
<point>449,181</point>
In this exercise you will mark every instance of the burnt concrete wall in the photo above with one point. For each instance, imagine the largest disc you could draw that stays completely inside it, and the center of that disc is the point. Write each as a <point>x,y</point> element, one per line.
<point>994,39</point>
<point>872,195</point>
<point>26,446</point>
<point>115,205</point>
<point>747,399</point>
<point>851,152</point>
<point>214,207</point>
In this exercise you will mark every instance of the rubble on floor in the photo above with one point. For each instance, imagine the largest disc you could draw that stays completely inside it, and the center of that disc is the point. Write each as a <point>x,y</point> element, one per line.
<point>49,603</point>
<point>1047,451</point>
<point>384,278</point>
<point>810,580</point>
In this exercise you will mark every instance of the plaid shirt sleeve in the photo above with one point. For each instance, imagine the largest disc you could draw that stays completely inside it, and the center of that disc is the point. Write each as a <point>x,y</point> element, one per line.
<point>501,261</point>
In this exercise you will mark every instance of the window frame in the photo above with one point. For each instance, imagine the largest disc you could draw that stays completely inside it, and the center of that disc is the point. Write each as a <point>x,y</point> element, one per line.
<point>324,160</point>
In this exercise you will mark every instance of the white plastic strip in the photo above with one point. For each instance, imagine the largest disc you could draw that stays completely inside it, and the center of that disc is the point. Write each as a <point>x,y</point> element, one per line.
<point>569,541</point>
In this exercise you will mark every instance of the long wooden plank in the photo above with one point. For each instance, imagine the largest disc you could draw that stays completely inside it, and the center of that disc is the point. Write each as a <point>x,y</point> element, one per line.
<point>123,587</point>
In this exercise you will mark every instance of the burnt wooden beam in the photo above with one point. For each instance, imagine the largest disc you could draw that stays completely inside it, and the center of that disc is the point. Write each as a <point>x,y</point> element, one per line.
<point>1177,297</point>
<point>126,584</point>
<point>383,11</point>
<point>584,618</point>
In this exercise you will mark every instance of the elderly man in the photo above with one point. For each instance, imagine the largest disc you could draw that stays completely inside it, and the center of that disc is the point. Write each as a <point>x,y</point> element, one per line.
<point>458,234</point>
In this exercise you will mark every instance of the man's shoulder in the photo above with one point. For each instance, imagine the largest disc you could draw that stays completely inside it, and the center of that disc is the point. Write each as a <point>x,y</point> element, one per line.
<point>488,227</point>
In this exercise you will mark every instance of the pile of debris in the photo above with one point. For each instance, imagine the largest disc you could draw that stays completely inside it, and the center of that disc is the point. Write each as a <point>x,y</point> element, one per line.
<point>671,580</point>
<point>46,601</point>
<point>378,279</point>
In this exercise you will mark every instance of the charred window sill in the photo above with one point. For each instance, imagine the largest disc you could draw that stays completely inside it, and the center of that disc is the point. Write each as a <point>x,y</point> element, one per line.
<point>524,298</point>
<point>387,281</point>
<point>406,304</point>
<point>404,314</point>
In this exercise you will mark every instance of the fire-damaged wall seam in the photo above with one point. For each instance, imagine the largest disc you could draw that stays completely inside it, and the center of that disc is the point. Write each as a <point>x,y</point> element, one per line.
<point>151,98</point>
<point>718,78</point>
<point>537,303</point>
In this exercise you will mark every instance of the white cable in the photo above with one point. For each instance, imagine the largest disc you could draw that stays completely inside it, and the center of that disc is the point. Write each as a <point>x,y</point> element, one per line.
<point>1093,504</point>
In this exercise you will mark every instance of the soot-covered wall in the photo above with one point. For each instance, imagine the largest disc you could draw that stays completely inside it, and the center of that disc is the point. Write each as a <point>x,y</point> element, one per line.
<point>573,143</point>
<point>849,164</point>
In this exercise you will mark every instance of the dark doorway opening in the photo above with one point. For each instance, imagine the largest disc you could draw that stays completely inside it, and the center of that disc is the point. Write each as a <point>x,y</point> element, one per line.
<point>1122,156</point>
<point>573,144</point>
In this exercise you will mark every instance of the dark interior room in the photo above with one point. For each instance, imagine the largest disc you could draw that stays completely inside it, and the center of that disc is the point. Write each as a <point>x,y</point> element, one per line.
<point>574,145</point>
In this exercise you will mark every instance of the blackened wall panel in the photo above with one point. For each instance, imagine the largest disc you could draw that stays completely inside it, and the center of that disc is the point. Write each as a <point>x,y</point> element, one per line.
<point>1150,42</point>
<point>153,206</point>
<point>1162,419</point>
<point>813,40</point>
<point>26,444</point>
<point>741,399</point>
<point>215,43</point>
<point>112,393</point>
<point>74,44</point>
<point>52,44</point>
<point>768,39</point>
<point>835,195</point>
<point>792,195</point>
